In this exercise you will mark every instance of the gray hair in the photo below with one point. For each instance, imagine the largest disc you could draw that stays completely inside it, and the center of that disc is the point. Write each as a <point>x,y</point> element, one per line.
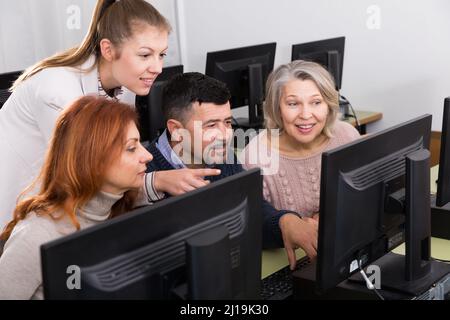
<point>301,70</point>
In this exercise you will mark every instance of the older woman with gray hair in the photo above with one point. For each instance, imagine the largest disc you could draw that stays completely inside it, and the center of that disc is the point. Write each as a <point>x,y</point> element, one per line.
<point>302,105</point>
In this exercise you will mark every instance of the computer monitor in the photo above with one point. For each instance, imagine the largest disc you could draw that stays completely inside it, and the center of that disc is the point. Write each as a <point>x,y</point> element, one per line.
<point>440,203</point>
<point>374,196</point>
<point>205,244</point>
<point>329,53</point>
<point>443,186</point>
<point>245,72</point>
<point>149,107</point>
<point>6,81</point>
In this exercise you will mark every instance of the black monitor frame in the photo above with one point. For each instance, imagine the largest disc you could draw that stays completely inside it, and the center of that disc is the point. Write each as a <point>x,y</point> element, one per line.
<point>328,52</point>
<point>443,187</point>
<point>151,119</point>
<point>374,196</point>
<point>6,81</point>
<point>144,254</point>
<point>245,71</point>
<point>440,202</point>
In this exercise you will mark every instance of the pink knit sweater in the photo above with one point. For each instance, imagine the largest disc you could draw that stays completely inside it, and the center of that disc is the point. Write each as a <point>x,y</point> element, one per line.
<point>296,184</point>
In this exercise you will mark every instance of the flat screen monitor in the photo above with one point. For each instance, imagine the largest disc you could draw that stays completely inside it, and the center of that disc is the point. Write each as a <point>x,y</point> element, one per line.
<point>149,107</point>
<point>374,196</point>
<point>205,244</point>
<point>245,71</point>
<point>440,203</point>
<point>443,187</point>
<point>329,53</point>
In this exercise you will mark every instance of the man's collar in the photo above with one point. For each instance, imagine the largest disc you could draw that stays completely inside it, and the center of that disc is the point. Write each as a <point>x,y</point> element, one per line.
<point>166,150</point>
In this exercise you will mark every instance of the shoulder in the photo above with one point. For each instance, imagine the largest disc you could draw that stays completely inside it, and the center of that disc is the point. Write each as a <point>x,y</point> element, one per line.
<point>57,76</point>
<point>21,250</point>
<point>345,132</point>
<point>20,261</point>
<point>56,86</point>
<point>31,233</point>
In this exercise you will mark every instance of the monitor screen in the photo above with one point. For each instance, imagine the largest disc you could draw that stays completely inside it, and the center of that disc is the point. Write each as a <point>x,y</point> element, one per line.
<point>245,71</point>
<point>362,201</point>
<point>329,53</point>
<point>205,244</point>
<point>149,107</point>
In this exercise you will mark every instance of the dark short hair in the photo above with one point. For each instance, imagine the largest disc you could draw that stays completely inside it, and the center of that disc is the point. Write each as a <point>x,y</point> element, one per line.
<point>184,89</point>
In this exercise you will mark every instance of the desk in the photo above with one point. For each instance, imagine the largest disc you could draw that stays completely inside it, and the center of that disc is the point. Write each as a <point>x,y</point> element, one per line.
<point>273,260</point>
<point>434,171</point>
<point>364,118</point>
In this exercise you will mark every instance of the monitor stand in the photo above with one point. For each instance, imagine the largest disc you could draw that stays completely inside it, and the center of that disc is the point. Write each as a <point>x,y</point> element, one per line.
<point>392,267</point>
<point>304,283</point>
<point>415,272</point>
<point>208,264</point>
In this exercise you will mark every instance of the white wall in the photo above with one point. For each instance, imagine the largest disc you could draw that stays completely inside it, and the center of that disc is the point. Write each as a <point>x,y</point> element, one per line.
<point>31,30</point>
<point>401,69</point>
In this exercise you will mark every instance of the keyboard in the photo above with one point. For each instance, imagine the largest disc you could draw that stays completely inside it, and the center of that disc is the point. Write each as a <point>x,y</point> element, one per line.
<point>279,286</point>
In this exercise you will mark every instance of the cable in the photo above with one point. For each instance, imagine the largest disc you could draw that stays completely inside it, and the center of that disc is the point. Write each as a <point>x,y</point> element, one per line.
<point>369,284</point>
<point>358,125</point>
<point>345,101</point>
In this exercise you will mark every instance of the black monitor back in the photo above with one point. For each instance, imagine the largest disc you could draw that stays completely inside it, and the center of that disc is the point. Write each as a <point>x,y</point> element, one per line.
<point>328,52</point>
<point>6,81</point>
<point>244,71</point>
<point>231,67</point>
<point>149,107</point>
<point>443,186</point>
<point>362,189</point>
<point>142,254</point>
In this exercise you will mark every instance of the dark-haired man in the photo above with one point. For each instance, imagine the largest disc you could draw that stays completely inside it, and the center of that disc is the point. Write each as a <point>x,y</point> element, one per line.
<point>198,134</point>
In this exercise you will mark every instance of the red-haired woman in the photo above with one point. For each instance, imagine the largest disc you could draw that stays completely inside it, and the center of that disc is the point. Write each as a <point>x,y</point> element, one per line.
<point>93,171</point>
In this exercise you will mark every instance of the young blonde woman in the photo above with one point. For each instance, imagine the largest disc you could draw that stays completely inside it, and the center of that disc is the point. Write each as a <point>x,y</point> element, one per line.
<point>119,58</point>
<point>302,103</point>
<point>92,172</point>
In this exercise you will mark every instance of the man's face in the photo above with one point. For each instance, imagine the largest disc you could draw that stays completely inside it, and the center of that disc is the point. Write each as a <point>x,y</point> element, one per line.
<point>209,127</point>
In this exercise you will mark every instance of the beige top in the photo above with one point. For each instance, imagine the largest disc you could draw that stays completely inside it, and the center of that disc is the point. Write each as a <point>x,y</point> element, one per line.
<point>20,263</point>
<point>294,183</point>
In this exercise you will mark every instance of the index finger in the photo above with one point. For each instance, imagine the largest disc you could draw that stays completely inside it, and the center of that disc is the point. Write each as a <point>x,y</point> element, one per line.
<point>206,172</point>
<point>291,257</point>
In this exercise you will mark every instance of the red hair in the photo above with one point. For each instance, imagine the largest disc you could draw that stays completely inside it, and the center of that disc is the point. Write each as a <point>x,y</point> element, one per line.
<point>88,137</point>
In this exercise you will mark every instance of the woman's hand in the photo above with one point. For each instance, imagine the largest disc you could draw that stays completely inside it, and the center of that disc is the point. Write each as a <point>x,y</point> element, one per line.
<point>179,181</point>
<point>299,233</point>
